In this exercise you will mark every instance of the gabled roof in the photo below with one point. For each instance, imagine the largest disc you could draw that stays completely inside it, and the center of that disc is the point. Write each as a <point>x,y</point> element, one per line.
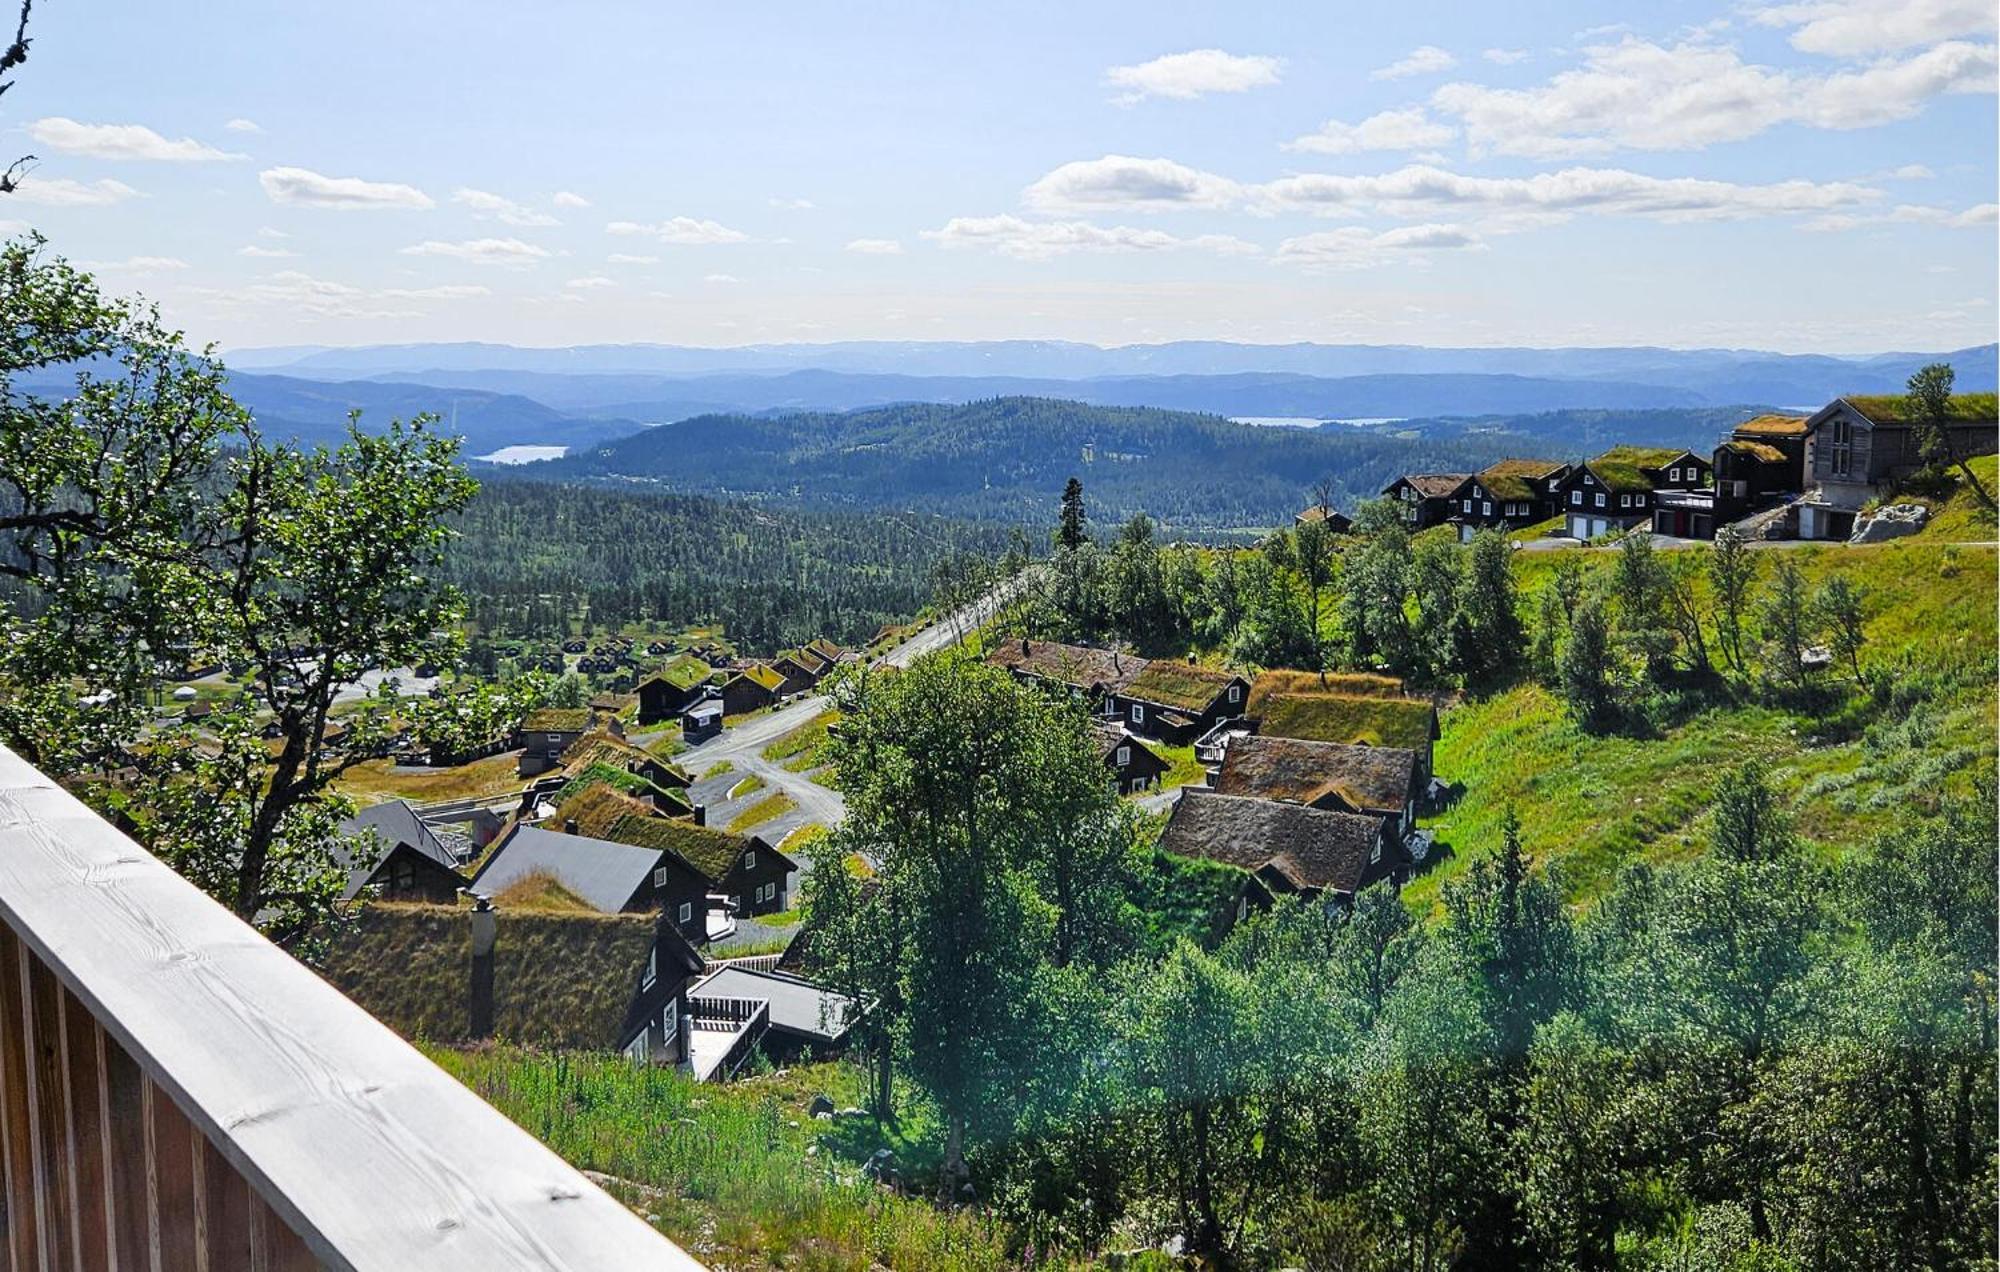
<point>759,674</point>
<point>393,823</point>
<point>1310,848</point>
<point>1621,467</point>
<point>1431,485</point>
<point>1182,685</point>
<point>1887,410</point>
<point>683,673</point>
<point>1074,665</point>
<point>804,659</point>
<point>827,651</point>
<point>556,720</point>
<point>605,747</point>
<point>1350,683</point>
<point>602,874</point>
<point>1772,426</point>
<point>1365,778</point>
<point>1761,451</point>
<point>710,853</point>
<point>1515,478</point>
<point>1108,736</point>
<point>1409,723</point>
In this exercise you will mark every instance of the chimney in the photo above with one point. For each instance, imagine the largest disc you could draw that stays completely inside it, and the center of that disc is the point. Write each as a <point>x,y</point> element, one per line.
<point>1190,658</point>
<point>569,825</point>
<point>485,930</point>
<point>701,814</point>
<point>1024,646</point>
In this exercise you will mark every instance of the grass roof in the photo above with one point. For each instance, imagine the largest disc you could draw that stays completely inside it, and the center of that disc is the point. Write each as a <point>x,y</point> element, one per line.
<point>1179,684</point>
<point>595,777</point>
<point>1409,723</point>
<point>559,979</point>
<point>556,720</point>
<point>684,672</point>
<point>1755,450</point>
<point>602,812</point>
<point>1288,680</point>
<point>759,674</point>
<point>1966,408</point>
<point>1773,426</point>
<point>540,891</point>
<point>604,747</point>
<point>1515,478</point>
<point>1620,467</point>
<point>826,649</point>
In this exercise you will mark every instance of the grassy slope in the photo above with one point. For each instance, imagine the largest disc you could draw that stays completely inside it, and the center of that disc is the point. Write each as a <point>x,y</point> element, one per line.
<point>767,809</point>
<point>1594,802</point>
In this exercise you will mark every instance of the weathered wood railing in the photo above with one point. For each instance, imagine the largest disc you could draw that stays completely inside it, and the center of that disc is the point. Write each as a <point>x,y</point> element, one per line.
<point>178,1093</point>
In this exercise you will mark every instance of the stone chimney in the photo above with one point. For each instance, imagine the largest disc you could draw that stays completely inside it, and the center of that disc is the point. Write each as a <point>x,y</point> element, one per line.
<point>485,932</point>
<point>569,825</point>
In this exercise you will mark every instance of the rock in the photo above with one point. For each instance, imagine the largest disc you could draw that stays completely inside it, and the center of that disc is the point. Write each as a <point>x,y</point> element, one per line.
<point>1891,522</point>
<point>821,1104</point>
<point>881,1164</point>
<point>821,1116</point>
<point>851,1112</point>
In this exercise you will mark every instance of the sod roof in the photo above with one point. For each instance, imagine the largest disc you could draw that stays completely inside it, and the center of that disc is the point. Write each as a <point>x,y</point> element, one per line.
<point>1516,478</point>
<point>1433,485</point>
<point>605,747</point>
<point>1772,426</point>
<point>1763,451</point>
<point>602,813</point>
<point>1966,408</point>
<point>1075,665</point>
<point>1410,723</point>
<point>828,651</point>
<point>1179,684</point>
<point>588,783</point>
<point>1311,848</point>
<point>1620,467</point>
<point>556,720</point>
<point>684,672</point>
<point>759,674</point>
<point>1289,680</point>
<point>1373,779</point>
<point>560,980</point>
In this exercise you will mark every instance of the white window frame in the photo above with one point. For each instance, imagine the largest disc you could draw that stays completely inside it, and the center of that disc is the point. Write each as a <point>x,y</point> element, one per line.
<point>1600,499</point>
<point>1138,713</point>
<point>1576,499</point>
<point>660,876</point>
<point>687,912</point>
<point>1375,854</point>
<point>1468,505</point>
<point>750,859</point>
<point>1674,474</point>
<point>1124,756</point>
<point>1236,693</point>
<point>652,968</point>
<point>1485,508</point>
<point>670,1022</point>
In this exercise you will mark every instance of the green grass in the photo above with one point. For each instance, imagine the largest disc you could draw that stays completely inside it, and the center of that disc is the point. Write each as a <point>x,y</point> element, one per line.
<point>1959,517</point>
<point>1182,768</point>
<point>725,1170</point>
<point>1592,803</point>
<point>750,785</point>
<point>720,767</point>
<point>804,748</point>
<point>374,781</point>
<point>767,809</point>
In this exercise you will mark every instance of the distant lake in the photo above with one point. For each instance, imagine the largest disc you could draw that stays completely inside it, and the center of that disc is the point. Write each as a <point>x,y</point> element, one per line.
<point>524,454</point>
<point>1304,421</point>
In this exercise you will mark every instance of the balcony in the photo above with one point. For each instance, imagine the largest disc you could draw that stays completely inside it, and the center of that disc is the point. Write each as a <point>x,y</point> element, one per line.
<point>177,1092</point>
<point>722,1032</point>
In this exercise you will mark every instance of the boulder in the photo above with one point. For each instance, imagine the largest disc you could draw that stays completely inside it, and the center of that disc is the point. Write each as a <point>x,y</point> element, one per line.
<point>821,1104</point>
<point>1890,522</point>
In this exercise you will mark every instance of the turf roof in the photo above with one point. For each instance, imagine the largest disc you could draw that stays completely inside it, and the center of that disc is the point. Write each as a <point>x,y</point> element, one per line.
<point>1288,680</point>
<point>1409,723</point>
<point>1177,684</point>
<point>1619,468</point>
<point>1514,478</point>
<point>758,673</point>
<point>1966,408</point>
<point>556,720</point>
<point>1773,426</point>
<point>605,747</point>
<point>1755,450</point>
<point>684,672</point>
<point>604,813</point>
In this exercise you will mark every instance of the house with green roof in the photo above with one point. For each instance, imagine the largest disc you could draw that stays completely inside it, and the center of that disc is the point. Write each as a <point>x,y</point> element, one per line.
<point>1858,445</point>
<point>1618,489</point>
<point>547,732</point>
<point>673,689</point>
<point>1177,702</point>
<point>1512,492</point>
<point>750,689</point>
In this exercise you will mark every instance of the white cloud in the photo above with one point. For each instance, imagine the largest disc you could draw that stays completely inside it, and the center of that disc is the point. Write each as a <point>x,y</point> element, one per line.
<point>1850,28</point>
<point>1040,240</point>
<point>1643,96</point>
<point>485,203</point>
<point>271,232</point>
<point>625,258</point>
<point>139,264</point>
<point>1409,129</point>
<point>590,282</point>
<point>720,278</point>
<point>266,253</point>
<point>569,199</point>
<point>875,247</point>
<point>1972,218</point>
<point>448,291</point>
<point>294,292</point>
<point>1426,59</point>
<point>302,187</point>
<point>1184,76</point>
<point>63,192</point>
<point>1421,190</point>
<point>243,126</point>
<point>1120,181</point>
<point>1352,247</point>
<point>1505,57</point>
<point>486,251</point>
<point>120,141</point>
<point>683,230</point>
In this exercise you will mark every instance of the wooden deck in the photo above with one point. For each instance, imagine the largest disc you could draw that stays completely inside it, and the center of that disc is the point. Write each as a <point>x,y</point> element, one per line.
<point>178,1093</point>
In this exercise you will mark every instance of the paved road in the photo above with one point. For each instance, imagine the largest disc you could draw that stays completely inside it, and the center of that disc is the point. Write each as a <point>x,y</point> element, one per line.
<point>1667,541</point>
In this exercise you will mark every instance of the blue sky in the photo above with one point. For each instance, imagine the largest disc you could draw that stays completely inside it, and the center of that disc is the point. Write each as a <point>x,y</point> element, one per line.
<point>1817,175</point>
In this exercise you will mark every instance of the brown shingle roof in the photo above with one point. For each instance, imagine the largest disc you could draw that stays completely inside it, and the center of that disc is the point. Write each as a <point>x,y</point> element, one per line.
<point>1310,847</point>
<point>1366,778</point>
<point>1073,665</point>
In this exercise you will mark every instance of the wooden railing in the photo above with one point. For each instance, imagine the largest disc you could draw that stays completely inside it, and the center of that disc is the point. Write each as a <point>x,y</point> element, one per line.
<point>178,1093</point>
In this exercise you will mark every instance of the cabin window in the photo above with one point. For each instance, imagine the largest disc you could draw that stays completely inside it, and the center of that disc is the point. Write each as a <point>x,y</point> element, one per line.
<point>652,967</point>
<point>1243,907</point>
<point>1673,474</point>
<point>1124,756</point>
<point>1138,714</point>
<point>1554,482</point>
<point>687,912</point>
<point>1236,693</point>
<point>750,859</point>
<point>1624,501</point>
<point>1409,494</point>
<point>670,1023</point>
<point>1841,451</point>
<point>1468,505</point>
<point>1375,854</point>
<point>660,877</point>
<point>1600,499</point>
<point>1485,508</point>
<point>1576,498</point>
<point>555,739</point>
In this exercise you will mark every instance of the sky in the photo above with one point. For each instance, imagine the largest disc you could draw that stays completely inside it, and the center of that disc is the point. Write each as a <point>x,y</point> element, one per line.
<point>1811,176</point>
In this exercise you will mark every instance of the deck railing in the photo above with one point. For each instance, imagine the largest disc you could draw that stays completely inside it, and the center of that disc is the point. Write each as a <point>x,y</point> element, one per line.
<point>178,1093</point>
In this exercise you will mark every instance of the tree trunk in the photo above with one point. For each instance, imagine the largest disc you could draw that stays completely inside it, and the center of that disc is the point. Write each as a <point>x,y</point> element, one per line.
<point>1965,468</point>
<point>953,1172</point>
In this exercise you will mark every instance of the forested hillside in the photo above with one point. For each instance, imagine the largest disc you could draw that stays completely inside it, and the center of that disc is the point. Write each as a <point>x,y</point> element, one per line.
<point>1003,460</point>
<point>533,557</point>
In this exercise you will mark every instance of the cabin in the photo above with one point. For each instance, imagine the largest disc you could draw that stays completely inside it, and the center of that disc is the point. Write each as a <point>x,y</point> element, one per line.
<point>606,750</point>
<point>801,669</point>
<point>1090,675</point>
<point>1858,446</point>
<point>701,721</point>
<point>754,877</point>
<point>673,689</point>
<point>1426,499</point>
<point>1352,710</point>
<point>751,689</point>
<point>547,732</point>
<point>1378,781</point>
<point>596,874</point>
<point>1287,848</point>
<point>806,1022</point>
<point>1513,492</point>
<point>826,651</point>
<point>1177,702</point>
<point>1336,522</point>
<point>1134,766</point>
<point>389,848</point>
<point>1616,490</point>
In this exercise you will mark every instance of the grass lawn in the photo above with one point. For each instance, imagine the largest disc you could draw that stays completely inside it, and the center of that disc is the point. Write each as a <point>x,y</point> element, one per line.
<point>1960,517</point>
<point>1592,803</point>
<point>668,744</point>
<point>737,1174</point>
<point>804,748</point>
<point>767,809</point>
<point>373,781</point>
<point>750,785</point>
<point>1182,768</point>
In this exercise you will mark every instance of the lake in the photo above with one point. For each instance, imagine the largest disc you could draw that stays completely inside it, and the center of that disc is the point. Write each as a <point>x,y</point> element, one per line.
<point>524,454</point>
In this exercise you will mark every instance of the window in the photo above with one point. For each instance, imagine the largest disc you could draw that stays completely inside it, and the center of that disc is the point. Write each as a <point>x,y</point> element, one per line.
<point>1840,453</point>
<point>687,912</point>
<point>1624,501</point>
<point>1486,508</point>
<point>555,739</point>
<point>660,877</point>
<point>1138,714</point>
<point>670,1023</point>
<point>1410,494</point>
<point>1124,756</point>
<point>1375,854</point>
<point>1576,498</point>
<point>1673,474</point>
<point>652,967</point>
<point>750,859</point>
<point>1236,693</point>
<point>1600,499</point>
<point>1468,505</point>
<point>1555,482</point>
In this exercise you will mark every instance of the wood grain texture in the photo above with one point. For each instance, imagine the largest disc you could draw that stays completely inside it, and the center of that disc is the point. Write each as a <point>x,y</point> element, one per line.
<point>23,1246</point>
<point>89,1138</point>
<point>368,1152</point>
